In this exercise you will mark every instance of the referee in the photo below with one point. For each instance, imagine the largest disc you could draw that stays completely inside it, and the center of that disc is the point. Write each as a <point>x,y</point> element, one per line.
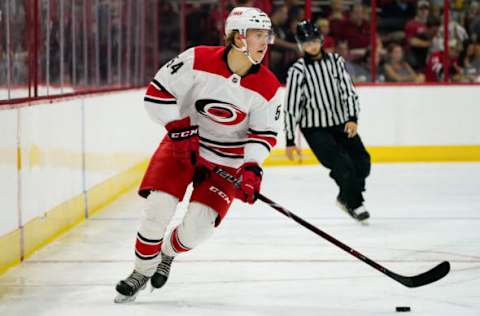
<point>322,100</point>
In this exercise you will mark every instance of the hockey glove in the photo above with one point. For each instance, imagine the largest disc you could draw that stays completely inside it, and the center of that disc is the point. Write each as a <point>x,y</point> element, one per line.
<point>251,176</point>
<point>185,140</point>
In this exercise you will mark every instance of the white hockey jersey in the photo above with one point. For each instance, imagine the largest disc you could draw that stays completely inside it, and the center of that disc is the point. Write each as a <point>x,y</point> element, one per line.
<point>238,117</point>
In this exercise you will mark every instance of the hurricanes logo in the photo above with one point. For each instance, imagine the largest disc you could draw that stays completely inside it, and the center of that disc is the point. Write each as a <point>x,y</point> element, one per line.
<point>220,112</point>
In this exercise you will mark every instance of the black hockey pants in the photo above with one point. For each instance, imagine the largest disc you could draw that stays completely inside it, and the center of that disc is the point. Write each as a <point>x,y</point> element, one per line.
<point>347,159</point>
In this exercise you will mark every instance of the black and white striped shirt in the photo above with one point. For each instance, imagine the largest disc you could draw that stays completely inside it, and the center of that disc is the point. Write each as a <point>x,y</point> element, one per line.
<point>319,93</point>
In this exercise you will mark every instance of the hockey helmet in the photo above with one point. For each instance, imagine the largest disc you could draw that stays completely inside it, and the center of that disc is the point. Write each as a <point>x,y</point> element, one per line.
<point>307,31</point>
<point>242,19</point>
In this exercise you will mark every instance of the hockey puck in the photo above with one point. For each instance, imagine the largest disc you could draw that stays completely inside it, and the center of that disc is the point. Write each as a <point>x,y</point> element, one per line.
<point>402,308</point>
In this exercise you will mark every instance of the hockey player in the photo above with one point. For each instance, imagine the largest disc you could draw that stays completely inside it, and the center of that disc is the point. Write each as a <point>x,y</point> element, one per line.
<point>321,99</point>
<point>219,106</point>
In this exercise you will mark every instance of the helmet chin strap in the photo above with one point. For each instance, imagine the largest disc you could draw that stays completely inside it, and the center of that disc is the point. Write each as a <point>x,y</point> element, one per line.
<point>244,50</point>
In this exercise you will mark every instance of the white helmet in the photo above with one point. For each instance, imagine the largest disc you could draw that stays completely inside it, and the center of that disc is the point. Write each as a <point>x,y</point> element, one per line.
<point>242,19</point>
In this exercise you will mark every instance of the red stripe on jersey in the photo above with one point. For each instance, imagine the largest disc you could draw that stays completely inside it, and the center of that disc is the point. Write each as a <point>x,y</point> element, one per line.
<point>230,150</point>
<point>271,140</point>
<point>152,91</point>
<point>176,244</point>
<point>147,249</point>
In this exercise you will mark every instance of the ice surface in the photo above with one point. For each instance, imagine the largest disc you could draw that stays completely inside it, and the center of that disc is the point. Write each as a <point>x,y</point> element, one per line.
<point>261,263</point>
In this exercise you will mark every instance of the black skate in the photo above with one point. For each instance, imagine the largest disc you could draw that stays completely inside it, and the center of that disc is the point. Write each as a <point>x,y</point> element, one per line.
<point>360,213</point>
<point>128,289</point>
<point>160,277</point>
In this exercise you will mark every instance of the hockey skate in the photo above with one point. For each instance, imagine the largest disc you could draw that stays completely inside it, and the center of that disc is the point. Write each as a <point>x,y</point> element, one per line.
<point>160,277</point>
<point>360,213</point>
<point>128,289</point>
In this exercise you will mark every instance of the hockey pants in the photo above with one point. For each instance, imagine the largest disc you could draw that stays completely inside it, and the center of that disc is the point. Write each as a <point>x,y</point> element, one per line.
<point>346,158</point>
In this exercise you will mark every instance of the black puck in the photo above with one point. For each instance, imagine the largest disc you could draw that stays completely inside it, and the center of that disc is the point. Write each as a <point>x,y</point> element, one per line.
<point>402,308</point>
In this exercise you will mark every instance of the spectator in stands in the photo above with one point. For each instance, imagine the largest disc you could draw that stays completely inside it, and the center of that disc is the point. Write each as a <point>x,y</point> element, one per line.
<point>323,26</point>
<point>336,17</point>
<point>362,69</point>
<point>168,33</point>
<point>281,45</point>
<point>343,50</point>
<point>367,10</point>
<point>295,10</point>
<point>416,35</point>
<point>295,15</point>
<point>337,10</point>
<point>472,21</point>
<point>397,69</point>
<point>469,60</point>
<point>201,26</point>
<point>472,12</point>
<point>395,14</point>
<point>455,30</point>
<point>356,30</point>
<point>434,71</point>
<point>436,9</point>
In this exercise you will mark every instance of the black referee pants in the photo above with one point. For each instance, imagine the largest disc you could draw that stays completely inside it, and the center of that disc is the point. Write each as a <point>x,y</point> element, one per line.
<point>346,158</point>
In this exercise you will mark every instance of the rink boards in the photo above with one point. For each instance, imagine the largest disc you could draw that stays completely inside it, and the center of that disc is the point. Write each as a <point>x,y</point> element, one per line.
<point>62,160</point>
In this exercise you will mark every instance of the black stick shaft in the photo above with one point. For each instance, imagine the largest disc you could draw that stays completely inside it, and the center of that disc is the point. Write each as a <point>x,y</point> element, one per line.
<point>427,277</point>
<point>323,234</point>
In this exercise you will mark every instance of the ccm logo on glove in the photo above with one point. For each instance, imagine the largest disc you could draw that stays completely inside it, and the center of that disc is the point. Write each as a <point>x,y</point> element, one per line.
<point>186,140</point>
<point>183,134</point>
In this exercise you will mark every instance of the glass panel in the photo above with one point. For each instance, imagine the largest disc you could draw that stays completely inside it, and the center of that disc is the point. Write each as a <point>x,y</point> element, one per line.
<point>117,9</point>
<point>169,31</point>
<point>203,23</point>
<point>66,47</point>
<point>422,40</point>
<point>95,44</point>
<point>346,29</point>
<point>76,67</point>
<point>5,80</point>
<point>284,51</point>
<point>20,48</point>
<point>54,40</point>
<point>464,41</point>
<point>151,49</point>
<point>345,25</point>
<point>407,29</point>
<point>14,54</point>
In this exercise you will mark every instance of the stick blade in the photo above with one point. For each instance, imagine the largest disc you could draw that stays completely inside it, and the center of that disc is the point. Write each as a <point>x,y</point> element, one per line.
<point>432,275</point>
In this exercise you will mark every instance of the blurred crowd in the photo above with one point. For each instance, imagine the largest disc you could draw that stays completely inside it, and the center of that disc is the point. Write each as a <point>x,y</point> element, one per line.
<point>409,40</point>
<point>409,43</point>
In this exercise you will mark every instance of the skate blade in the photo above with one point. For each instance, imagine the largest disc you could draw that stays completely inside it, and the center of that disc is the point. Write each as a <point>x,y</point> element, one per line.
<point>152,288</point>
<point>364,222</point>
<point>123,299</point>
<point>344,209</point>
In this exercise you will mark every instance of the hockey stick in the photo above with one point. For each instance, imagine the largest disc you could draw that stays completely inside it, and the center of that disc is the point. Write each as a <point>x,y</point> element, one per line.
<point>430,276</point>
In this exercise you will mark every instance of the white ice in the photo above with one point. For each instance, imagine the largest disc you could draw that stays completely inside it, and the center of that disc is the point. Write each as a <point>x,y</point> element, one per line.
<point>262,263</point>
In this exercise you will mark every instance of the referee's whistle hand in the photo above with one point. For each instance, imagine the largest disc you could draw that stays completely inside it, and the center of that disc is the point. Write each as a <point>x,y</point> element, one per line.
<point>351,129</point>
<point>291,150</point>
